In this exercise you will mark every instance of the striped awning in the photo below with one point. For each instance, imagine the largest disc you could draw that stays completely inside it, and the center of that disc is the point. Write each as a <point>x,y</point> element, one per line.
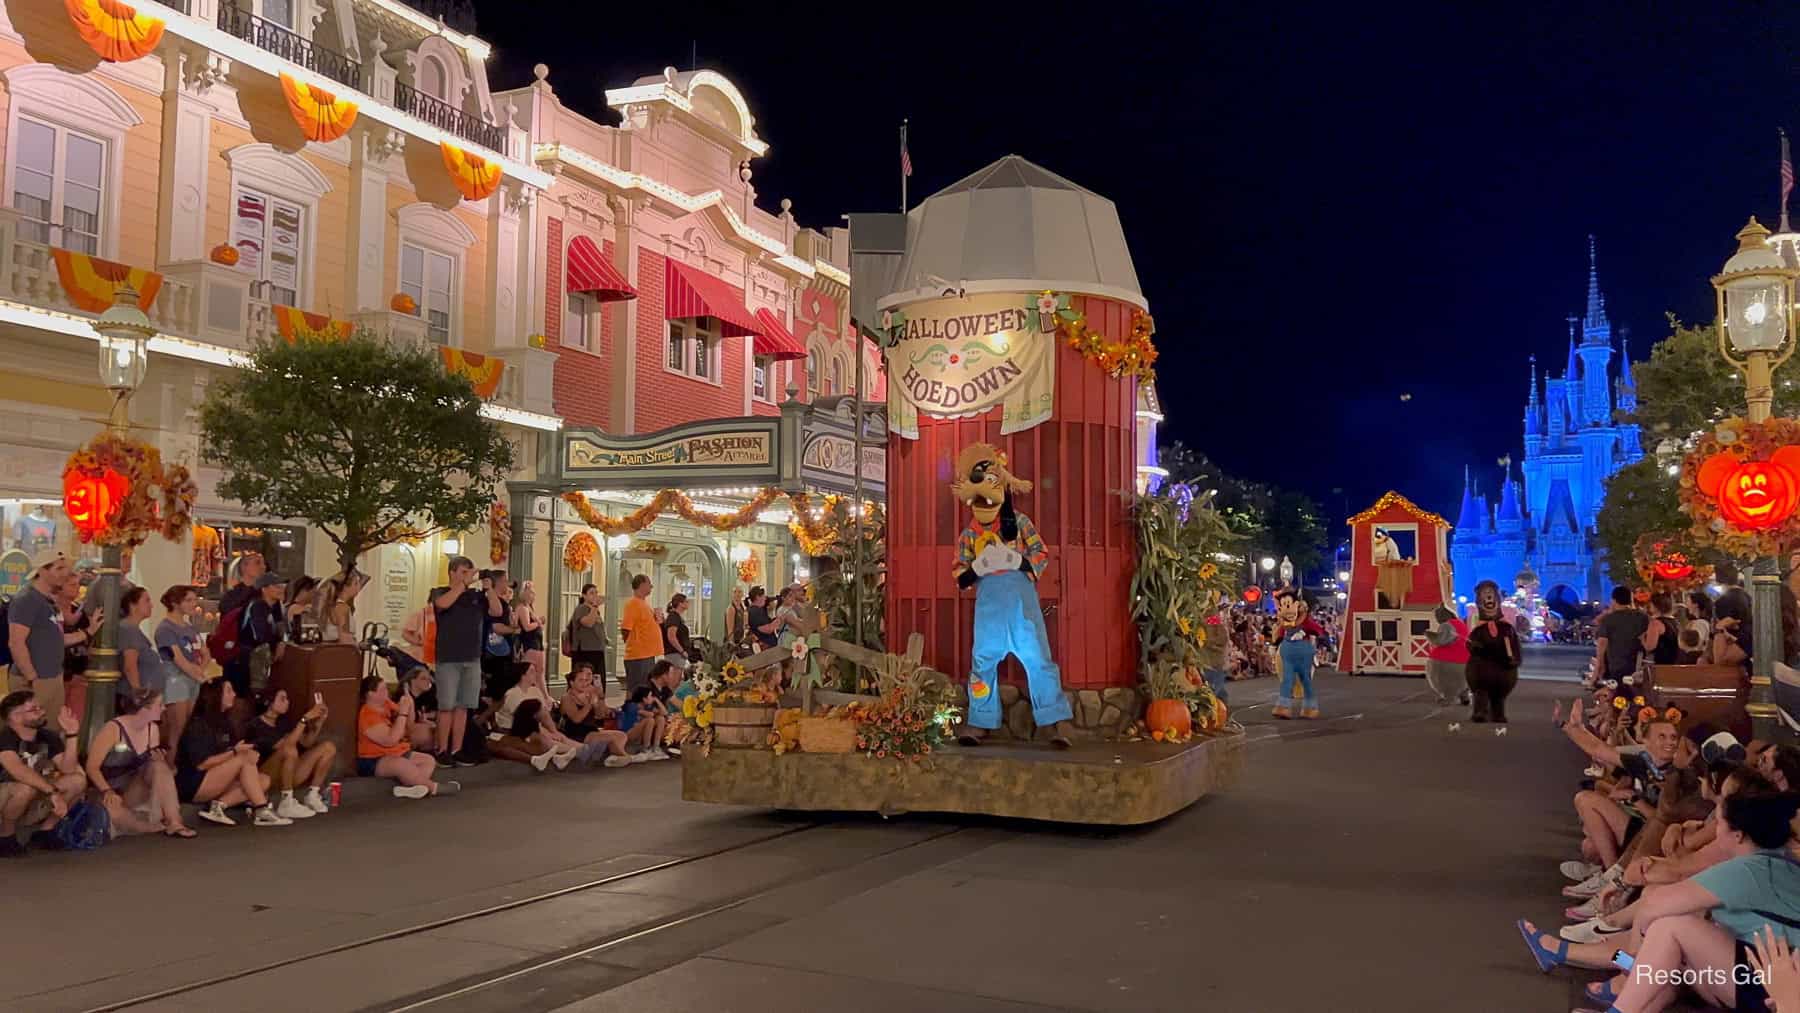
<point>774,340</point>
<point>690,292</point>
<point>591,272</point>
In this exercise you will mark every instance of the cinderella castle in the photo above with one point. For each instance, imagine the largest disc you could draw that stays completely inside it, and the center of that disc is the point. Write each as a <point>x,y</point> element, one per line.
<point>1545,525</point>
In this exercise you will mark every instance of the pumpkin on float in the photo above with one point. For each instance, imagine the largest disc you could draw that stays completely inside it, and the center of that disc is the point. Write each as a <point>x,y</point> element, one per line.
<point>1170,717</point>
<point>225,254</point>
<point>91,500</point>
<point>1753,495</point>
<point>403,303</point>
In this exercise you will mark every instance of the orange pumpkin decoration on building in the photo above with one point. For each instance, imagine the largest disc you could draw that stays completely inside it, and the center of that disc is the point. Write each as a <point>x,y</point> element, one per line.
<point>92,499</point>
<point>403,303</point>
<point>1169,717</point>
<point>1674,566</point>
<point>1753,495</point>
<point>225,254</point>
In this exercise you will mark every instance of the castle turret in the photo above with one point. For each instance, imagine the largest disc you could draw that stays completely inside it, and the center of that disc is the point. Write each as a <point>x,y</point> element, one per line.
<point>1534,418</point>
<point>1509,519</point>
<point>1629,447</point>
<point>1572,381</point>
<point>1468,519</point>
<point>1596,351</point>
<point>1555,412</point>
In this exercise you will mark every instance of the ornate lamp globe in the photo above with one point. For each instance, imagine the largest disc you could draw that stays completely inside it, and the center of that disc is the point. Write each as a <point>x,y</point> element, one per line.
<point>1754,292</point>
<point>124,330</point>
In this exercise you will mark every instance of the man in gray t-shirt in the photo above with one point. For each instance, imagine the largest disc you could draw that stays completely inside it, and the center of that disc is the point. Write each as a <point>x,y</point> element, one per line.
<point>35,633</point>
<point>1619,636</point>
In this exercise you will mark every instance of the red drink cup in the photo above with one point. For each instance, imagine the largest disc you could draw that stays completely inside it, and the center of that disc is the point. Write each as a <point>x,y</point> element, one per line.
<point>337,793</point>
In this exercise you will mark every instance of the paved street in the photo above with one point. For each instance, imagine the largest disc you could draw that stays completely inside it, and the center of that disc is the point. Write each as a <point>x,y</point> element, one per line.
<point>1371,861</point>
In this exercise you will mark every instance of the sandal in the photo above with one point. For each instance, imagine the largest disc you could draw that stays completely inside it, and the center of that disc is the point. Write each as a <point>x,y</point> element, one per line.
<point>1601,992</point>
<point>1547,959</point>
<point>182,832</point>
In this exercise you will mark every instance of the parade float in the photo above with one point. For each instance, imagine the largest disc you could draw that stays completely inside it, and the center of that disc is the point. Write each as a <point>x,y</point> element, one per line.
<point>1399,576</point>
<point>1055,624</point>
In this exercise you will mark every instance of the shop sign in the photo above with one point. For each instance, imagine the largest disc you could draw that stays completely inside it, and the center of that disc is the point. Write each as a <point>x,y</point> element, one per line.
<point>961,356</point>
<point>15,572</point>
<point>706,588</point>
<point>753,448</point>
<point>836,454</point>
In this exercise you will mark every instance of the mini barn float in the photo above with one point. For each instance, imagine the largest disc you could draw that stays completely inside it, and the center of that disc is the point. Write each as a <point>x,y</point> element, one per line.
<point>1015,341</point>
<point>1399,575</point>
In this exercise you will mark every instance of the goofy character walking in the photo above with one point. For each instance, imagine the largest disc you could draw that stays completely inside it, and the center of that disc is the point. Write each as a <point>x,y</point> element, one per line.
<point>1001,556</point>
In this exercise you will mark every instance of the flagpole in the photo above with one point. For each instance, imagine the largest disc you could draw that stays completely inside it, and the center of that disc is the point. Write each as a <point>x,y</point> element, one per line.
<point>1787,179</point>
<point>903,157</point>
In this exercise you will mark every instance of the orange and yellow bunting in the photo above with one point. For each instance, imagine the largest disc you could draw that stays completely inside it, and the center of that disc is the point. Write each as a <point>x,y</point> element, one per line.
<point>322,116</point>
<point>91,282</point>
<point>475,177</point>
<point>298,325</point>
<point>114,30</point>
<point>484,372</point>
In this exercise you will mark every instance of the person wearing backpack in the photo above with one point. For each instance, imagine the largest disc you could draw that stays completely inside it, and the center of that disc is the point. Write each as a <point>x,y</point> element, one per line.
<point>35,634</point>
<point>584,641</point>
<point>40,773</point>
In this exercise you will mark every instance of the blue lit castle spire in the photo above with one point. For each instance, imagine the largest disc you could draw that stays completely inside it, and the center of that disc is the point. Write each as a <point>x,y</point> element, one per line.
<point>1573,443</point>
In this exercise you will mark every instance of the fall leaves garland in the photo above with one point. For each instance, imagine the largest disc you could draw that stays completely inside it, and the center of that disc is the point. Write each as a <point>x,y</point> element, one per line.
<point>814,534</point>
<point>1135,356</point>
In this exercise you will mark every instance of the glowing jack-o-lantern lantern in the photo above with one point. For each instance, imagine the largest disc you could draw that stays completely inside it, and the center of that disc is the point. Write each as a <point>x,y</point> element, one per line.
<point>1672,566</point>
<point>1753,495</point>
<point>1253,594</point>
<point>91,501</point>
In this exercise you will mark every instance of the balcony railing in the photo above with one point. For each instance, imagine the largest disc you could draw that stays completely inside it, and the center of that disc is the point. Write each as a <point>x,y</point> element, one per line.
<point>445,116</point>
<point>267,35</point>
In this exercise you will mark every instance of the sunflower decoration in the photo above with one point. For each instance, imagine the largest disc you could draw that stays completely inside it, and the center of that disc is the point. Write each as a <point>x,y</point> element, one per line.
<point>1208,571</point>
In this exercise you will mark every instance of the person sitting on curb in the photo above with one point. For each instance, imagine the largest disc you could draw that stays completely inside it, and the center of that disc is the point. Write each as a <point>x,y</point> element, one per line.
<point>383,746</point>
<point>643,725</point>
<point>128,765</point>
<point>291,754</point>
<point>217,768</point>
<point>418,683</point>
<point>563,748</point>
<point>39,773</point>
<point>582,715</point>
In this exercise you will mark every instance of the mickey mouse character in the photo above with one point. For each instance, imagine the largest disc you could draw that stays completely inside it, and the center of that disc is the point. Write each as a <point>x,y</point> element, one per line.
<point>1000,555</point>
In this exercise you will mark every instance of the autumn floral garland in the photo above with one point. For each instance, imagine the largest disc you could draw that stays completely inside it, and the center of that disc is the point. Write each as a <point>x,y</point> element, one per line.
<point>1745,441</point>
<point>814,534</point>
<point>156,501</point>
<point>1657,548</point>
<point>499,533</point>
<point>1134,357</point>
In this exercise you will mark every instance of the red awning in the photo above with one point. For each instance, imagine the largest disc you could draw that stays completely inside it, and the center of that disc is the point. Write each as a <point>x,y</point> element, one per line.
<point>691,292</point>
<point>590,271</point>
<point>775,340</point>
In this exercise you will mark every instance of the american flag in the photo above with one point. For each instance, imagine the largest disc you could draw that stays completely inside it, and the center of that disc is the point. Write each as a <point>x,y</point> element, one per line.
<point>906,157</point>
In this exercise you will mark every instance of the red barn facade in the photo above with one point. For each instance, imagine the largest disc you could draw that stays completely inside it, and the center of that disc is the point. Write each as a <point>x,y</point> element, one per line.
<point>1393,592</point>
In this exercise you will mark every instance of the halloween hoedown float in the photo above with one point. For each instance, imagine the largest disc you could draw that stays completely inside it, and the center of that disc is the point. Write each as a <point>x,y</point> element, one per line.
<point>1019,360</point>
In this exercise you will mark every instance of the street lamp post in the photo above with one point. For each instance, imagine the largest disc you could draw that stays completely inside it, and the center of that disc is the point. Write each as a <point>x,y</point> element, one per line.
<point>1755,294</point>
<point>124,332</point>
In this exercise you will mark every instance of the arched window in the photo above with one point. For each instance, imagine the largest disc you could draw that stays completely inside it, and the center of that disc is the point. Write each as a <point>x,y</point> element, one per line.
<point>837,377</point>
<point>433,80</point>
<point>813,363</point>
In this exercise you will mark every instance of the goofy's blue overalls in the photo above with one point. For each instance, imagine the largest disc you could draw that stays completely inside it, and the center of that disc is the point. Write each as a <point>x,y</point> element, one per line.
<point>1009,620</point>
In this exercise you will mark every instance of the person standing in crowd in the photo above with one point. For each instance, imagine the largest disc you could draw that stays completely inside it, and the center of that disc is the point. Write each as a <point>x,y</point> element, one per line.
<point>1696,634</point>
<point>128,766</point>
<point>336,603</point>
<point>420,632</point>
<point>737,619</point>
<point>587,637</point>
<point>461,611</point>
<point>382,748</point>
<point>75,619</point>
<point>140,664</point>
<point>530,626</point>
<point>290,753</point>
<point>250,566</point>
<point>35,633</point>
<point>1661,642</point>
<point>40,774</point>
<point>763,627</point>
<point>1619,638</point>
<point>297,610</point>
<point>677,642</point>
<point>183,650</point>
<point>264,633</point>
<point>643,635</point>
<point>498,671</point>
<point>217,768</point>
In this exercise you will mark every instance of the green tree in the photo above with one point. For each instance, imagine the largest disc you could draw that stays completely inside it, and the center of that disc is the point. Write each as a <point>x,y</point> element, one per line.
<point>1640,498</point>
<point>1270,519</point>
<point>1686,385</point>
<point>371,441</point>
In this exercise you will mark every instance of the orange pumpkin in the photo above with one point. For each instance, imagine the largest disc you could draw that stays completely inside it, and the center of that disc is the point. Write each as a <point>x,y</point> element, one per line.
<point>91,501</point>
<point>1674,566</point>
<point>1253,594</point>
<point>403,303</point>
<point>1221,714</point>
<point>1169,717</point>
<point>1753,495</point>
<point>224,253</point>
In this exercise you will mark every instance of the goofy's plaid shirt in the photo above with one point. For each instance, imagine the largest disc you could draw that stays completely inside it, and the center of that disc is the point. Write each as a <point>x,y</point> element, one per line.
<point>978,536</point>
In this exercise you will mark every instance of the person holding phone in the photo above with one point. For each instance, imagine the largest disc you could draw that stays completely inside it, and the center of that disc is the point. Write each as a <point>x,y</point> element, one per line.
<point>216,768</point>
<point>290,753</point>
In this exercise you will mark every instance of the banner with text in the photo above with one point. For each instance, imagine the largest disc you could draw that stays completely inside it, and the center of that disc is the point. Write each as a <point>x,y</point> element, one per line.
<point>960,356</point>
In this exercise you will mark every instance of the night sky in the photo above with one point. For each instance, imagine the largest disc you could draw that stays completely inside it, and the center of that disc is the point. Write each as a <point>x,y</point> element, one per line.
<point>1327,208</point>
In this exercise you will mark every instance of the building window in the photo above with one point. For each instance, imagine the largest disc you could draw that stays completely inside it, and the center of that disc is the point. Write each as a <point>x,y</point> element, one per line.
<point>812,375</point>
<point>694,348</point>
<point>58,185</point>
<point>432,79</point>
<point>578,330</point>
<point>269,234</point>
<point>280,12</point>
<point>764,374</point>
<point>430,278</point>
<point>837,377</point>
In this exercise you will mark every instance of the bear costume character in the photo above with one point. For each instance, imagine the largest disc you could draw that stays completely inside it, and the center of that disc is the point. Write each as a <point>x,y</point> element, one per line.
<point>1493,668</point>
<point>1000,555</point>
<point>1296,637</point>
<point>1447,658</point>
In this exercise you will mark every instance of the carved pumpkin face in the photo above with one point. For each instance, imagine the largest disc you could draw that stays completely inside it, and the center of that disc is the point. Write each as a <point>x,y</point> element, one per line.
<point>1753,495</point>
<point>92,501</point>
<point>1673,566</point>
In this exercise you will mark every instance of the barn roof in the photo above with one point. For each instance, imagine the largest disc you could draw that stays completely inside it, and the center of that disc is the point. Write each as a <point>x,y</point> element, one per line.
<point>1393,499</point>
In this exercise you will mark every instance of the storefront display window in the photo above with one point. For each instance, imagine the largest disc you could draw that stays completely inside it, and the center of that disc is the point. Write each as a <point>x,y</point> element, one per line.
<point>220,545</point>
<point>29,526</point>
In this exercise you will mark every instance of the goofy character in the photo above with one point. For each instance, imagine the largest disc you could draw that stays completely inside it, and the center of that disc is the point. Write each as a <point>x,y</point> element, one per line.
<point>1001,556</point>
<point>1297,637</point>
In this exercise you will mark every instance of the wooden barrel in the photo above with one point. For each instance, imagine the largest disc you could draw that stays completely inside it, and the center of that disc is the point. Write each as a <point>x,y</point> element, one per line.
<point>742,725</point>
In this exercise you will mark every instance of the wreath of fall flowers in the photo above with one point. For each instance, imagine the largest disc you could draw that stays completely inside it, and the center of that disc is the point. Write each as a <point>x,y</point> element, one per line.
<point>1665,562</point>
<point>156,500</point>
<point>579,554</point>
<point>499,532</point>
<point>749,570</point>
<point>1134,357</point>
<point>1744,441</point>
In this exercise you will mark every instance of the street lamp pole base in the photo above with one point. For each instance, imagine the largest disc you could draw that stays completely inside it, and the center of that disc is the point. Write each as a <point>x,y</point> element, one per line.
<point>1765,628</point>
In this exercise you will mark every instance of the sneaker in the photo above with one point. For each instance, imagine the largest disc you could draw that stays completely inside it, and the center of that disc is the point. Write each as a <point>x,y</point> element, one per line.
<point>11,848</point>
<point>289,808</point>
<point>540,762</point>
<point>1593,930</point>
<point>312,800</point>
<point>460,761</point>
<point>615,760</point>
<point>1589,887</point>
<point>215,813</point>
<point>411,791</point>
<point>266,816</point>
<point>448,787</point>
<point>640,757</point>
<point>1575,871</point>
<point>1585,910</point>
<point>672,750</point>
<point>564,758</point>
<point>444,759</point>
<point>660,754</point>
